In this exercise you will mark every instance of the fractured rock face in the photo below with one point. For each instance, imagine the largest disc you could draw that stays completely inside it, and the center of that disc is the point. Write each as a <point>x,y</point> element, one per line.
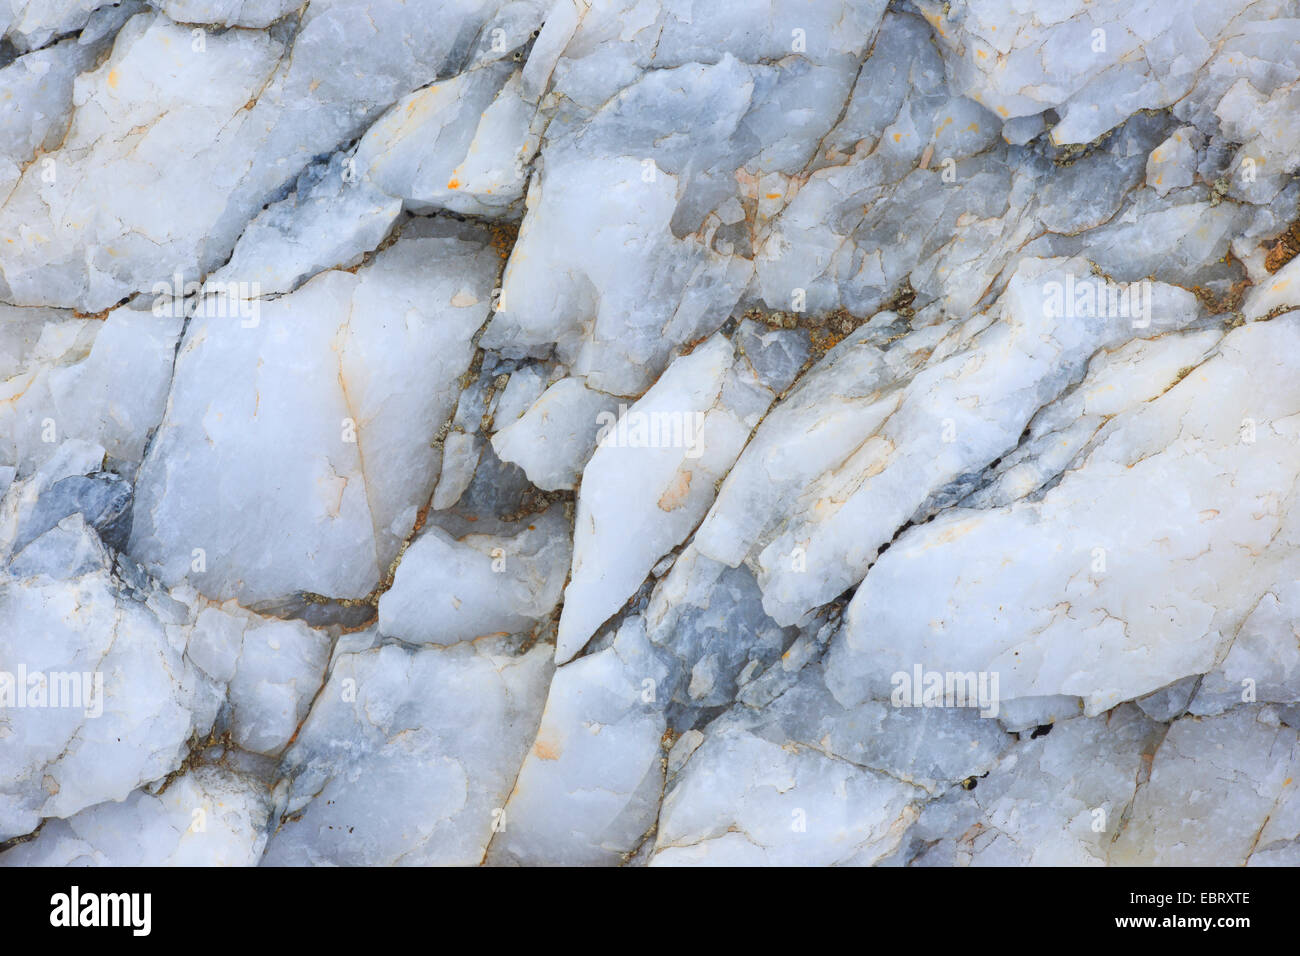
<point>649,432</point>
<point>391,724</point>
<point>98,696</point>
<point>590,787</point>
<point>652,478</point>
<point>446,591</point>
<point>866,440</point>
<point>744,801</point>
<point>60,382</point>
<point>208,818</point>
<point>1142,585</point>
<point>300,411</point>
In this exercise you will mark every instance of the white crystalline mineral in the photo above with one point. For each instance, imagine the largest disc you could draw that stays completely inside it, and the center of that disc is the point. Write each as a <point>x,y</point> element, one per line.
<point>295,408</point>
<point>460,145</point>
<point>447,591</point>
<point>1232,778</point>
<point>1056,800</point>
<point>95,228</point>
<point>745,801</point>
<point>652,478</point>
<point>209,817</point>
<point>97,694</point>
<point>398,729</point>
<point>271,670</point>
<point>1112,584</point>
<point>231,13</point>
<point>865,440</point>
<point>553,441</point>
<point>649,432</point>
<point>589,788</point>
<point>61,376</point>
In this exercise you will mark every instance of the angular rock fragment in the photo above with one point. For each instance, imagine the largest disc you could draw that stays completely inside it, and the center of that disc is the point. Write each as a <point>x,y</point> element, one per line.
<point>209,817</point>
<point>1113,584</point>
<point>304,410</point>
<point>434,737</point>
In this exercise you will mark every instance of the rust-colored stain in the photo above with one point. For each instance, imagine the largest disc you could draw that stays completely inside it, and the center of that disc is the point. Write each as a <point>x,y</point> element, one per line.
<point>503,237</point>
<point>546,751</point>
<point>1284,248</point>
<point>675,494</point>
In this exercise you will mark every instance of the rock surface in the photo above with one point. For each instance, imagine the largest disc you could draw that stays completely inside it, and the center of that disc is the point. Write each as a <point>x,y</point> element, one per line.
<point>540,432</point>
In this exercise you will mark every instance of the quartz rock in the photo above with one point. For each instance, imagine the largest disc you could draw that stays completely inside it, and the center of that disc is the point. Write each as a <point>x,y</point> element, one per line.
<point>270,669</point>
<point>208,817</point>
<point>36,96</point>
<point>652,478</point>
<point>1172,164</point>
<point>29,24</point>
<point>649,432</point>
<point>861,443</point>
<point>447,590</point>
<point>1072,558</point>
<point>331,220</point>
<point>1052,800</point>
<point>553,441</point>
<point>434,736</point>
<point>298,407</point>
<point>711,618</point>
<point>662,254</point>
<point>741,800</point>
<point>60,375</point>
<point>98,696</point>
<point>178,103</point>
<point>461,145</point>
<point>1232,778</point>
<point>590,786</point>
<point>1094,66</point>
<point>230,13</point>
<point>1262,663</point>
<point>183,134</point>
